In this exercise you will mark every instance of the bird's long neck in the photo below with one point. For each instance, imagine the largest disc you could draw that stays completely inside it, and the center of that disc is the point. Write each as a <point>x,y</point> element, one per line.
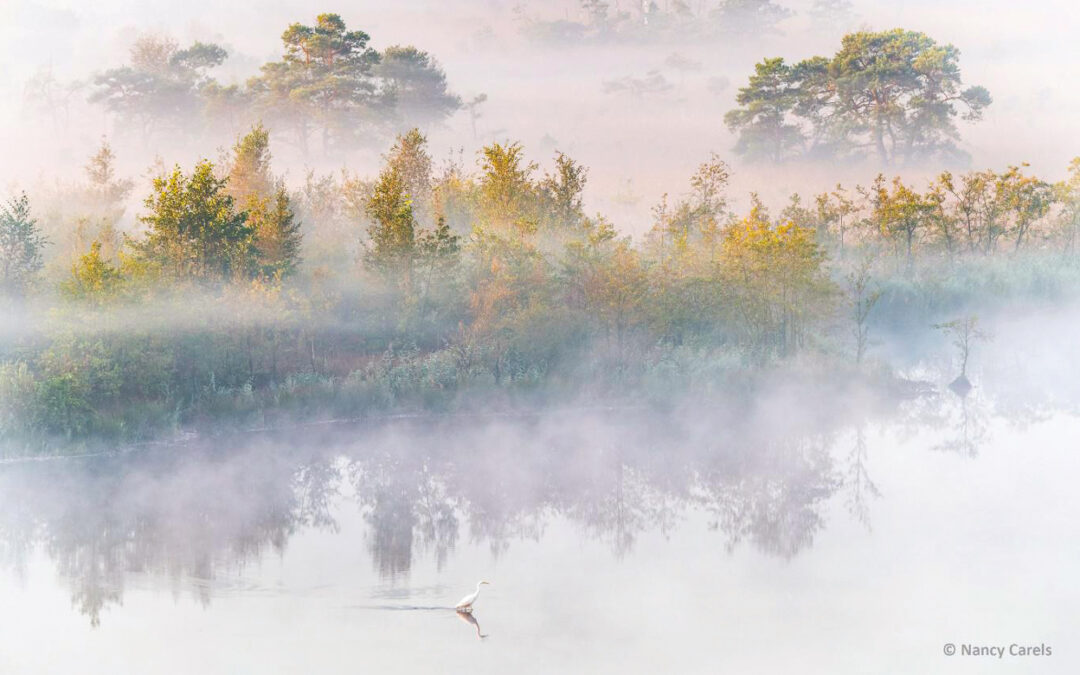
<point>478,588</point>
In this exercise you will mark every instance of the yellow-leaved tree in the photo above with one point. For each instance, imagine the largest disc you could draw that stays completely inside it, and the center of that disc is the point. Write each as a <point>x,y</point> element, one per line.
<point>775,283</point>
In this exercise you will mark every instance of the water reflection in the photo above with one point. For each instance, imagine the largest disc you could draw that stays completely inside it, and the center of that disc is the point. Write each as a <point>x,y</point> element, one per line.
<point>860,487</point>
<point>470,618</point>
<point>407,507</point>
<point>189,514</point>
<point>961,422</point>
<point>171,517</point>
<point>967,417</point>
<point>771,494</point>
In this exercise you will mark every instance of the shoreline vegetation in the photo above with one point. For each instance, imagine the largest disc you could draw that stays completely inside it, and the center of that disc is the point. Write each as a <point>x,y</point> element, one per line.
<point>494,291</point>
<point>237,299</point>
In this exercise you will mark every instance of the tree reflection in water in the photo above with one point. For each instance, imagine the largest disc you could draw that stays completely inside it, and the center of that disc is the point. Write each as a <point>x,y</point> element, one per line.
<point>771,494</point>
<point>181,517</point>
<point>188,514</point>
<point>859,486</point>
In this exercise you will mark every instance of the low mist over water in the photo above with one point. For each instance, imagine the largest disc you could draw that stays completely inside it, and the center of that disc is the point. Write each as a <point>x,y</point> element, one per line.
<point>599,336</point>
<point>755,535</point>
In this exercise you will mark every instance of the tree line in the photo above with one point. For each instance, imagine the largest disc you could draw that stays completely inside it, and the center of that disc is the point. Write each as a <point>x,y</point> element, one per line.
<point>235,298</point>
<point>330,88</point>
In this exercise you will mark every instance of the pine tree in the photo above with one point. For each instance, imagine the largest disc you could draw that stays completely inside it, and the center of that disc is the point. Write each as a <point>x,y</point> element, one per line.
<point>21,243</point>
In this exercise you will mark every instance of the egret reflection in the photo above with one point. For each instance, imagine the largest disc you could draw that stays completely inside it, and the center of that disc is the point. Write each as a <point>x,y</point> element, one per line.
<point>470,618</point>
<point>196,516</point>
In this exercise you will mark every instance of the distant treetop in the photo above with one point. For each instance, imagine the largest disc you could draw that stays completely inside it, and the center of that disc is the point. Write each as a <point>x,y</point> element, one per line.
<point>330,86</point>
<point>893,95</point>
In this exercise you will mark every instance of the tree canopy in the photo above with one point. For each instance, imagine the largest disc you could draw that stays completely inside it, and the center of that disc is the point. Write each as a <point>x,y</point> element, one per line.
<point>330,86</point>
<point>893,95</point>
<point>325,80</point>
<point>162,86</point>
<point>418,86</point>
<point>275,229</point>
<point>21,243</point>
<point>194,230</point>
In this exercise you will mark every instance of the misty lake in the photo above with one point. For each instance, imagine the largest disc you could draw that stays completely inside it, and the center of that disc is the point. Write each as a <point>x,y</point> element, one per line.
<point>515,338</point>
<point>843,541</point>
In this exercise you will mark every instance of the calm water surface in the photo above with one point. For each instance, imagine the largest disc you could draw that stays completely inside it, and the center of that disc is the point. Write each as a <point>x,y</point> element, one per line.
<point>615,542</point>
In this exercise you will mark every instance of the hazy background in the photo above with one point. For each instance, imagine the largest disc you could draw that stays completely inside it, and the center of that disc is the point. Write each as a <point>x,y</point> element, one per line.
<point>637,147</point>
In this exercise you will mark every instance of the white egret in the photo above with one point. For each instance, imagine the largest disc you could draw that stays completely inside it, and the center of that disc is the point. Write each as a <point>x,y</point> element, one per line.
<point>466,603</point>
